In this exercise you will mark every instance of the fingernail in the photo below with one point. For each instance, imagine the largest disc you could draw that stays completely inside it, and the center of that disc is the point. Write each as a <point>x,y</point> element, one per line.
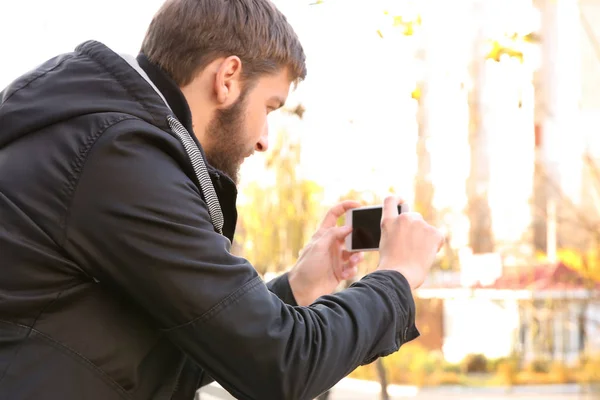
<point>355,258</point>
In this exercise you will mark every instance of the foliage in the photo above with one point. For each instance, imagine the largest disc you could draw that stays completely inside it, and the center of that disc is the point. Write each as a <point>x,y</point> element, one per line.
<point>506,373</point>
<point>406,25</point>
<point>278,221</point>
<point>411,365</point>
<point>587,263</point>
<point>475,363</point>
<point>579,224</point>
<point>414,365</point>
<point>511,45</point>
<point>439,378</point>
<point>559,373</point>
<point>538,366</point>
<point>589,371</point>
<point>498,49</point>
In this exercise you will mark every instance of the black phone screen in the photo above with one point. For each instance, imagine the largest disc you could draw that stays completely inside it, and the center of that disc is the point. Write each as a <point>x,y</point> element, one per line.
<point>366,227</point>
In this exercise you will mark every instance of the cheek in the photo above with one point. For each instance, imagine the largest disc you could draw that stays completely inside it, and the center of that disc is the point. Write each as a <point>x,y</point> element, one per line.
<point>256,123</point>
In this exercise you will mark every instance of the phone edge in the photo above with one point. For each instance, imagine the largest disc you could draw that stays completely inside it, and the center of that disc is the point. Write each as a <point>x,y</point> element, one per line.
<point>348,240</point>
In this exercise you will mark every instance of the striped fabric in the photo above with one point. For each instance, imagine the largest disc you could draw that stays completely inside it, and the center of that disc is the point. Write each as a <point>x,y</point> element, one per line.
<point>214,208</point>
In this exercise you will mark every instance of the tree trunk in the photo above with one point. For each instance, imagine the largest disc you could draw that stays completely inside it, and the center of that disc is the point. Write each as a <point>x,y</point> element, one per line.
<point>423,186</point>
<point>478,209</point>
<point>382,374</point>
<point>558,94</point>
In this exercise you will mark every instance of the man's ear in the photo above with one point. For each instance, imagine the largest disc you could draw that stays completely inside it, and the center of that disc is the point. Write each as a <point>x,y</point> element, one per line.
<point>228,81</point>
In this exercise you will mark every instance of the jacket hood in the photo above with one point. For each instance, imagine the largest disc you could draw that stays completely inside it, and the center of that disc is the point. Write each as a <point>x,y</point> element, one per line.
<point>60,89</point>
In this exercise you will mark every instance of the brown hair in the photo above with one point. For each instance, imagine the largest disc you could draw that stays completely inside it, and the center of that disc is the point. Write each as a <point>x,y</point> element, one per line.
<point>186,35</point>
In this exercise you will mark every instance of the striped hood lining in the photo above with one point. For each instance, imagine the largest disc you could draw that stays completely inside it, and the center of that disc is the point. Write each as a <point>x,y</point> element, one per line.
<point>193,152</point>
<point>214,208</point>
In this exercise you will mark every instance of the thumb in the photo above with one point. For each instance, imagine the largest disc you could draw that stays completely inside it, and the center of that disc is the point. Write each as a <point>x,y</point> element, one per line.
<point>340,232</point>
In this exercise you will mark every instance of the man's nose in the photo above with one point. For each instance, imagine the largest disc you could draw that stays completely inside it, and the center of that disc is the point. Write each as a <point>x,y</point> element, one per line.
<point>263,142</point>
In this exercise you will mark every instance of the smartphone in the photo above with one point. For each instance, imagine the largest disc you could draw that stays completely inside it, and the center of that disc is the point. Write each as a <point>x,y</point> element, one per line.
<point>366,227</point>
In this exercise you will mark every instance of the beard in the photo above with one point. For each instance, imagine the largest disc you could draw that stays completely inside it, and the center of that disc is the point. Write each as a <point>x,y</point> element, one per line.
<point>226,148</point>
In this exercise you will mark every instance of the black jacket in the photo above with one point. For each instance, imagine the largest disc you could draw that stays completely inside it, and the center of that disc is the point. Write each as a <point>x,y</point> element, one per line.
<point>114,280</point>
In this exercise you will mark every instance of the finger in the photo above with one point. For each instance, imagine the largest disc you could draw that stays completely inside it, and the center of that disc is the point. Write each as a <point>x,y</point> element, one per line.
<point>390,207</point>
<point>356,259</point>
<point>346,254</point>
<point>337,211</point>
<point>349,273</point>
<point>350,268</point>
<point>352,258</point>
<point>340,232</point>
<point>412,215</point>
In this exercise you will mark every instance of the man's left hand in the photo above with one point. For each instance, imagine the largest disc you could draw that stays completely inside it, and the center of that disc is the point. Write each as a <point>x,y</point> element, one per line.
<point>324,263</point>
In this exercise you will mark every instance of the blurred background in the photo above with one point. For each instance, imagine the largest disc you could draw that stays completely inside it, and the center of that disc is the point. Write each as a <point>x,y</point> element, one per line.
<point>483,114</point>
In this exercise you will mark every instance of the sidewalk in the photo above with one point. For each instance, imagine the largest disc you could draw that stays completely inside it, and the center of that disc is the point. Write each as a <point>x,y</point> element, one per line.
<point>413,391</point>
<point>350,389</point>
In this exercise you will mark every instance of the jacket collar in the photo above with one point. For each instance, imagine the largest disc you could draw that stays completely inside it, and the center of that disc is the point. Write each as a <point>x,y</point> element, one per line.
<point>176,101</point>
<point>150,106</point>
<point>224,186</point>
<point>170,91</point>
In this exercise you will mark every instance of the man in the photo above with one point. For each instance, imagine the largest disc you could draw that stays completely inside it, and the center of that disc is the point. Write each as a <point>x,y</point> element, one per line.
<point>117,202</point>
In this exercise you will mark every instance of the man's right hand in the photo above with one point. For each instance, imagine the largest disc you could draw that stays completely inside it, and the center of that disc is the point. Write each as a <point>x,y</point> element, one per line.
<point>408,244</point>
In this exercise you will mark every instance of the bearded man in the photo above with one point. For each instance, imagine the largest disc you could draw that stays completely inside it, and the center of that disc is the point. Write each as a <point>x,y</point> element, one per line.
<point>117,212</point>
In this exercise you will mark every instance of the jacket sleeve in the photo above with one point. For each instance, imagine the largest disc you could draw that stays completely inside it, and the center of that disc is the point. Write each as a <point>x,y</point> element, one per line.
<point>281,287</point>
<point>137,223</point>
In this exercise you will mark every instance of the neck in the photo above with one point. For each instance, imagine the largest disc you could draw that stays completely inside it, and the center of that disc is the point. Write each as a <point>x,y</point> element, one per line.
<point>201,112</point>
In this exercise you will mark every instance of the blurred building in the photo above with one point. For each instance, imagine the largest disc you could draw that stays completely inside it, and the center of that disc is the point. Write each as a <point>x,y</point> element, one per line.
<point>547,312</point>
